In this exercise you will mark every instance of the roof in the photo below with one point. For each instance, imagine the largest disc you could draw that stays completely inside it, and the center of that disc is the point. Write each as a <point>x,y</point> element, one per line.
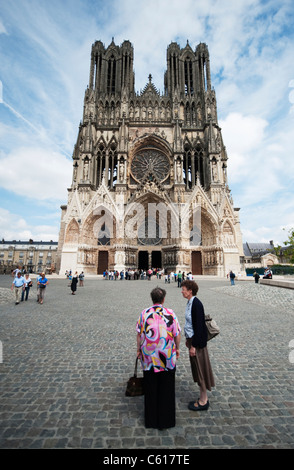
<point>251,249</point>
<point>27,242</point>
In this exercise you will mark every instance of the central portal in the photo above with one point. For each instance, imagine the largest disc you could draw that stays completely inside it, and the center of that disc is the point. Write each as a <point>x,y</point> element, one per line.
<point>156,259</point>
<point>143,260</point>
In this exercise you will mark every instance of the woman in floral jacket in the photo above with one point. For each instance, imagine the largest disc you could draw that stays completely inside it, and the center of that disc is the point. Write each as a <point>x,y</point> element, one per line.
<point>158,343</point>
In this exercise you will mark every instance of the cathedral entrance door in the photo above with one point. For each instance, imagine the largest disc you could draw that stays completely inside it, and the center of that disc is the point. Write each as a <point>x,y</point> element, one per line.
<point>196,262</point>
<point>143,260</point>
<point>156,259</point>
<point>102,262</point>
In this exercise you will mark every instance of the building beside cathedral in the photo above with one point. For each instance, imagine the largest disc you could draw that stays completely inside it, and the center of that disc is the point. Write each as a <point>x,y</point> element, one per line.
<point>149,185</point>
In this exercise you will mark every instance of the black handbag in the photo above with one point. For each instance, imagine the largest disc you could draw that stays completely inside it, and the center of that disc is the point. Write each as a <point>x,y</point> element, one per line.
<point>135,385</point>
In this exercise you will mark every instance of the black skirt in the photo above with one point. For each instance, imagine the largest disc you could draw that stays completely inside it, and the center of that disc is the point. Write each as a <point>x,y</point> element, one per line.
<point>160,403</point>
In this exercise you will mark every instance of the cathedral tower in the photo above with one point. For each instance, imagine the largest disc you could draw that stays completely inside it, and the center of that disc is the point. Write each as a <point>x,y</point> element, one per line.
<point>149,186</point>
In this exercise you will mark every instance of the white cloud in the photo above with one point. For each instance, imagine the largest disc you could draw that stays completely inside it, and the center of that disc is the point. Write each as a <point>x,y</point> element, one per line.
<point>2,28</point>
<point>36,173</point>
<point>243,136</point>
<point>15,227</point>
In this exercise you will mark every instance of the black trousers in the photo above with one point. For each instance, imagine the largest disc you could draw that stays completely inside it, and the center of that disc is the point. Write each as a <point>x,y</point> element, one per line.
<point>160,402</point>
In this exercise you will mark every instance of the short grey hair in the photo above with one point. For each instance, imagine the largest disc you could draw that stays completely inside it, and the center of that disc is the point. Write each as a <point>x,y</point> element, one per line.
<point>158,295</point>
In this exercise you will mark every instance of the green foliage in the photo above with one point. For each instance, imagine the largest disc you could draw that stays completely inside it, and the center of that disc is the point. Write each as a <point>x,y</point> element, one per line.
<point>289,251</point>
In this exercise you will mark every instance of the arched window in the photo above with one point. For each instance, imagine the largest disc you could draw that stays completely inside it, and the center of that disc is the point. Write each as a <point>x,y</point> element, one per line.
<point>100,163</point>
<point>112,172</point>
<point>111,72</point>
<point>193,167</point>
<point>187,170</point>
<point>198,159</point>
<point>188,70</point>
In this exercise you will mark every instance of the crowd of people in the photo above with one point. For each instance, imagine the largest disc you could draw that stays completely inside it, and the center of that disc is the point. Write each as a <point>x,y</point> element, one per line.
<point>74,279</point>
<point>143,274</point>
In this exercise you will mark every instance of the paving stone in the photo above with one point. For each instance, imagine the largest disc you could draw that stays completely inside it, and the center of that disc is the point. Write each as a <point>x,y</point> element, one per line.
<point>66,364</point>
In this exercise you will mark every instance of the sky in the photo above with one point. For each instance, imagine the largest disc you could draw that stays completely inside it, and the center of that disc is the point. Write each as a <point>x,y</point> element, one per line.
<point>45,52</point>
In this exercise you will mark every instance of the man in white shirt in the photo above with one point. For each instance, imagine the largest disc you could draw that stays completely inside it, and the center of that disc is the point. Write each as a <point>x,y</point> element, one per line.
<point>15,272</point>
<point>18,284</point>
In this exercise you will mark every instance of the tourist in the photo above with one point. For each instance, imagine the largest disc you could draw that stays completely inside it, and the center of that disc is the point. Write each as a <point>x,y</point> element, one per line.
<point>196,341</point>
<point>179,279</point>
<point>16,271</point>
<point>74,283</point>
<point>232,278</point>
<point>18,284</point>
<point>158,342</point>
<point>42,283</point>
<point>256,277</point>
<point>39,275</point>
<point>26,290</point>
<point>81,278</point>
<point>69,278</point>
<point>268,274</point>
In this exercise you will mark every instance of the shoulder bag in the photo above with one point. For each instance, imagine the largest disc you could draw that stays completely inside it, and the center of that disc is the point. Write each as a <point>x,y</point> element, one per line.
<point>212,328</point>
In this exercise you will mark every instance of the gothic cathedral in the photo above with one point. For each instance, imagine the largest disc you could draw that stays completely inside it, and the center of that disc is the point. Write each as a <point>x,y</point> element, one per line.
<point>149,186</point>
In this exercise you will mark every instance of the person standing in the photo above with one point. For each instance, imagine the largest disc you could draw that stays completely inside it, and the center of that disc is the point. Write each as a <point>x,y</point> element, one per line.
<point>18,284</point>
<point>179,279</point>
<point>81,278</point>
<point>26,290</point>
<point>158,347</point>
<point>256,277</point>
<point>74,283</point>
<point>196,341</point>
<point>42,283</point>
<point>232,278</point>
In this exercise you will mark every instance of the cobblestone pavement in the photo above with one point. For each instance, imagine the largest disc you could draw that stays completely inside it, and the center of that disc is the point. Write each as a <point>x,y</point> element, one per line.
<point>66,363</point>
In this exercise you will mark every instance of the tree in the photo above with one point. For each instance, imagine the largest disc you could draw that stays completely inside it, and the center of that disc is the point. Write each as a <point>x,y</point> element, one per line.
<point>289,251</point>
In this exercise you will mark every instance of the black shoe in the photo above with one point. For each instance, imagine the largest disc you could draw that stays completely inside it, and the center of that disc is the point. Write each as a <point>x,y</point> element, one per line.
<point>199,407</point>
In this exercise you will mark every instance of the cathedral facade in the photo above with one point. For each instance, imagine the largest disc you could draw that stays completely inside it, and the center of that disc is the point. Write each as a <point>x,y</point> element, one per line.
<point>149,186</point>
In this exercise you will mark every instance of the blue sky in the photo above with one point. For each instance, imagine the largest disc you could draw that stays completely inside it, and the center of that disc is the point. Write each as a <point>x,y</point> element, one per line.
<point>45,61</point>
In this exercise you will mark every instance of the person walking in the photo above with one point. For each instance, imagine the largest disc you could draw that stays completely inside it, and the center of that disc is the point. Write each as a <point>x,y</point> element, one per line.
<point>196,341</point>
<point>179,279</point>
<point>26,290</point>
<point>18,284</point>
<point>158,347</point>
<point>42,283</point>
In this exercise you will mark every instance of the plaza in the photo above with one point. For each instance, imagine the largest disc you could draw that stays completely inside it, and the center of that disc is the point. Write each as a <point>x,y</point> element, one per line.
<point>65,365</point>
